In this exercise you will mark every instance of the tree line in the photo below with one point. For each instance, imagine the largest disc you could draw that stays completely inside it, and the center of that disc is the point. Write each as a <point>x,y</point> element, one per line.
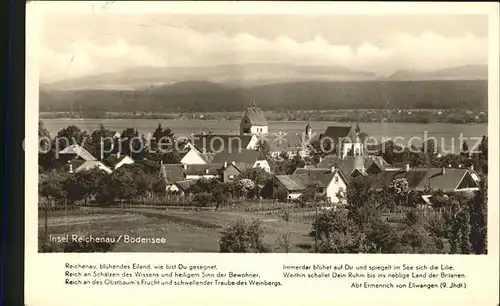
<point>291,96</point>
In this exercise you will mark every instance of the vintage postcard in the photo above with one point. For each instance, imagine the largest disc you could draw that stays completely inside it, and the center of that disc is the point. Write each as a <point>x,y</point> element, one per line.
<point>288,153</point>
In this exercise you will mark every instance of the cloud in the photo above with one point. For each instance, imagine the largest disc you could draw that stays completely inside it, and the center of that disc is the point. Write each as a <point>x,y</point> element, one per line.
<point>130,44</point>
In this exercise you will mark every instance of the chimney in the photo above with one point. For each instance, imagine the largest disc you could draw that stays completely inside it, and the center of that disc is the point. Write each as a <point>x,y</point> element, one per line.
<point>225,164</point>
<point>233,163</point>
<point>332,169</point>
<point>185,166</point>
<point>407,167</point>
<point>443,171</point>
<point>472,167</point>
<point>118,154</point>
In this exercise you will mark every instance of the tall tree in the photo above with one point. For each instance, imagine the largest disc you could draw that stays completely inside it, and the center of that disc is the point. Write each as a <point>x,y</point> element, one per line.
<point>72,135</point>
<point>162,139</point>
<point>360,205</point>
<point>479,218</point>
<point>264,147</point>
<point>101,142</point>
<point>460,233</point>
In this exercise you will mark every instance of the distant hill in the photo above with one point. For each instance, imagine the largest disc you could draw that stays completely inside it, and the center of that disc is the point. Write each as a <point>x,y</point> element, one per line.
<point>232,75</point>
<point>468,72</point>
<point>207,96</point>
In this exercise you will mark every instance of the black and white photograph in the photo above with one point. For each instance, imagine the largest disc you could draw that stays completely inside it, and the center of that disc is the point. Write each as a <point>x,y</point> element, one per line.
<point>263,133</point>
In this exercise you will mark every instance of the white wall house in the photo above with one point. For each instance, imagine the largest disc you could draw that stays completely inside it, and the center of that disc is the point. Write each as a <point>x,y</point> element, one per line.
<point>337,185</point>
<point>262,164</point>
<point>193,157</point>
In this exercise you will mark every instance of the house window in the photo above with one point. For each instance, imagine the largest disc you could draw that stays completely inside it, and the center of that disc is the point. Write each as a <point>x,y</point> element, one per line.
<point>336,179</point>
<point>231,176</point>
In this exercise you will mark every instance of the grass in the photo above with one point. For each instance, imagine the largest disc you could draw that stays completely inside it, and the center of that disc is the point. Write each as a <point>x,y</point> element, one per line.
<point>185,231</point>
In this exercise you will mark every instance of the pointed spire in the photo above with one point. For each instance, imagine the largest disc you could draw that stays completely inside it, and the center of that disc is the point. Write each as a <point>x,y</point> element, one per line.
<point>253,102</point>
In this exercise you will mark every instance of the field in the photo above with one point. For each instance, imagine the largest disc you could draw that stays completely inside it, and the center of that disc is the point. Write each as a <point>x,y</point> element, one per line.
<point>185,231</point>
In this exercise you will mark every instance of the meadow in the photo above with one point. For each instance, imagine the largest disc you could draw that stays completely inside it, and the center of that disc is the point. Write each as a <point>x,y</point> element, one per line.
<point>184,230</point>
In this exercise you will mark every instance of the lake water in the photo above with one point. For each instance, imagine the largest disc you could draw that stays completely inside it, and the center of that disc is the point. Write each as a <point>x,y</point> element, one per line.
<point>447,134</point>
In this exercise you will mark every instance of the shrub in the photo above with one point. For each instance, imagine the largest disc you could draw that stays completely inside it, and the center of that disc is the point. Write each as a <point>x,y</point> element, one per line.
<point>241,237</point>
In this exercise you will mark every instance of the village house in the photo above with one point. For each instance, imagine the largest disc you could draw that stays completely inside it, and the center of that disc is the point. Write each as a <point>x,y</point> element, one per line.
<point>195,156</point>
<point>78,165</point>
<point>74,152</point>
<point>353,166</point>
<point>448,180</point>
<point>182,187</point>
<point>330,182</point>
<point>245,158</point>
<point>115,161</point>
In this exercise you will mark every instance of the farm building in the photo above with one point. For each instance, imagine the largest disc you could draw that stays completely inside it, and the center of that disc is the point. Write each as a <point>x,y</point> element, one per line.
<point>244,158</point>
<point>447,180</point>
<point>330,182</point>
<point>353,166</point>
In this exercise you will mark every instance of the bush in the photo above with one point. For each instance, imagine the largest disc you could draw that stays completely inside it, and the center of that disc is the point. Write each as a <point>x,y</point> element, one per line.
<point>241,237</point>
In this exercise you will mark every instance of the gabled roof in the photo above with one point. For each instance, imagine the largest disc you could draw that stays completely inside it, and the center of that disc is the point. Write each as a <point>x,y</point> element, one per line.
<point>291,142</point>
<point>302,177</point>
<point>78,151</point>
<point>244,156</point>
<point>172,172</point>
<point>112,160</point>
<point>184,185</point>
<point>340,132</point>
<point>82,165</point>
<point>346,165</point>
<point>256,116</point>
<point>322,177</point>
<point>214,143</point>
<point>207,157</point>
<point>178,172</point>
<point>420,178</point>
<point>211,169</point>
<point>294,182</point>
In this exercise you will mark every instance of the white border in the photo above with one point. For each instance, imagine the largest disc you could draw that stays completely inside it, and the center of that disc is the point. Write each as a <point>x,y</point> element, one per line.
<point>43,272</point>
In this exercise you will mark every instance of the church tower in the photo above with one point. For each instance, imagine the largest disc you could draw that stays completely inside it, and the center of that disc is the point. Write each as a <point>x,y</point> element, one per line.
<point>254,122</point>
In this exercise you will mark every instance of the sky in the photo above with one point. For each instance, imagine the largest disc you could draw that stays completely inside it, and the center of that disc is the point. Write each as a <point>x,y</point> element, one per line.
<point>81,44</point>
